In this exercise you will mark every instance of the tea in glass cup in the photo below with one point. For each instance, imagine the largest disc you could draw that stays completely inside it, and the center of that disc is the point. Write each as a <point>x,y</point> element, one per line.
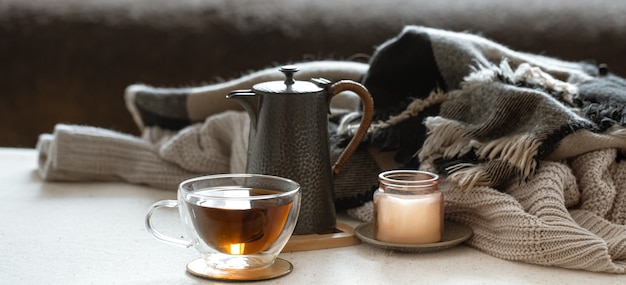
<point>238,223</point>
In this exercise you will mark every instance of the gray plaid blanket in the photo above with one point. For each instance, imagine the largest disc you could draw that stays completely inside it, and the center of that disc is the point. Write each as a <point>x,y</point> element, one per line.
<point>484,114</point>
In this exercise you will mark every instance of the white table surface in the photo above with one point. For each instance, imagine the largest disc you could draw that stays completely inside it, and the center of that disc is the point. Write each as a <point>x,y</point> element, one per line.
<point>93,233</point>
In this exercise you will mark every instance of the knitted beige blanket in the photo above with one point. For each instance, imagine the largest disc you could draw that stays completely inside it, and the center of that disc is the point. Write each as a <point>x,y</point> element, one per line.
<point>569,215</point>
<point>531,222</point>
<point>160,158</point>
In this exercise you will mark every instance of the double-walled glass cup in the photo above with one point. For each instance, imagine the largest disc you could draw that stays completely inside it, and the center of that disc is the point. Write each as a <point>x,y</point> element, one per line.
<point>235,221</point>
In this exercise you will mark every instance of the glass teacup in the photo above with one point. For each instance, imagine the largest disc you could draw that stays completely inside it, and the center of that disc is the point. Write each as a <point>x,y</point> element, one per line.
<point>235,221</point>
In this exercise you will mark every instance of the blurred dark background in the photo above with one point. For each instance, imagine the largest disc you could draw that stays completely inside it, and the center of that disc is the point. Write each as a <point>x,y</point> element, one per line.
<point>69,61</point>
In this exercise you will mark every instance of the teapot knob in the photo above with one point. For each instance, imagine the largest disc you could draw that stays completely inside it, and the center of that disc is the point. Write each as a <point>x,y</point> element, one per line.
<point>289,70</point>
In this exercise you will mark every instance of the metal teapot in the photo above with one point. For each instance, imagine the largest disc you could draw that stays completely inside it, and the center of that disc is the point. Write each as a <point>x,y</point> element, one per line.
<point>289,138</point>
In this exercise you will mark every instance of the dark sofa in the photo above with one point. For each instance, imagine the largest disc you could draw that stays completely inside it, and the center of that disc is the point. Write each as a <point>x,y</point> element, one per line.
<point>69,61</point>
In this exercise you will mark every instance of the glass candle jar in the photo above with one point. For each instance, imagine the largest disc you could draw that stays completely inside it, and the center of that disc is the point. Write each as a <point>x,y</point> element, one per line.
<point>408,207</point>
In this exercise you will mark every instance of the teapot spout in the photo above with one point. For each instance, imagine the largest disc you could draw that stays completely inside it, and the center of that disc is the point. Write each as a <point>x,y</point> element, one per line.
<point>249,101</point>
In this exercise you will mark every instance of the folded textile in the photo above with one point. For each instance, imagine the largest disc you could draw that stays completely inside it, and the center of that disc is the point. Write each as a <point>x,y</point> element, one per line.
<point>496,128</point>
<point>491,113</point>
<point>552,219</point>
<point>160,158</point>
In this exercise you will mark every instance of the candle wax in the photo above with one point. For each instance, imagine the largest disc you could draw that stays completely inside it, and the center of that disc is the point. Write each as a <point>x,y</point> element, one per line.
<point>408,219</point>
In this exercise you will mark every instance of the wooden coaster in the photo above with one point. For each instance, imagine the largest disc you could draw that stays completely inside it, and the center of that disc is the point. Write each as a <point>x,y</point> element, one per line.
<point>279,268</point>
<point>342,236</point>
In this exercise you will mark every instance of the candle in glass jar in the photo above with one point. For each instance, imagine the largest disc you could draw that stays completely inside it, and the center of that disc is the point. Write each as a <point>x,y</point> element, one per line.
<point>408,208</point>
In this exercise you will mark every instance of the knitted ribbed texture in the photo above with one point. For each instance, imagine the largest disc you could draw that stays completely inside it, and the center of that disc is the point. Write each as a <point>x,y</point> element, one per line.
<point>160,159</point>
<point>598,188</point>
<point>548,220</point>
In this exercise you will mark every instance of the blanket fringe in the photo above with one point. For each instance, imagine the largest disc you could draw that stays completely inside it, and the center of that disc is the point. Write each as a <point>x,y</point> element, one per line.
<point>484,74</point>
<point>349,123</point>
<point>435,97</point>
<point>534,76</point>
<point>447,138</point>
<point>520,151</point>
<point>468,175</point>
<point>525,75</point>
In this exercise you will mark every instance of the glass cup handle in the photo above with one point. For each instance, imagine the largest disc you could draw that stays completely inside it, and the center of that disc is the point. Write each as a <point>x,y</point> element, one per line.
<point>157,234</point>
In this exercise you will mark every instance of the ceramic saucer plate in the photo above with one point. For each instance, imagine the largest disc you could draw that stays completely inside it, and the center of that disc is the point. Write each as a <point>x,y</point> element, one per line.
<point>453,234</point>
<point>280,268</point>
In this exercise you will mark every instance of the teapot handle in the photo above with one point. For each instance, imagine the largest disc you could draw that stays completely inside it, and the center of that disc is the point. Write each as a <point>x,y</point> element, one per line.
<point>366,119</point>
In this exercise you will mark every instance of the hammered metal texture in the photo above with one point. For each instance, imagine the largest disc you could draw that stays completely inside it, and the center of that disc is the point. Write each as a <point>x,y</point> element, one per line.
<point>290,139</point>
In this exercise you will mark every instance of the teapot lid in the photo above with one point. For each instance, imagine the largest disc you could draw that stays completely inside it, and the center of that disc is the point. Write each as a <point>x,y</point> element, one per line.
<point>289,86</point>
